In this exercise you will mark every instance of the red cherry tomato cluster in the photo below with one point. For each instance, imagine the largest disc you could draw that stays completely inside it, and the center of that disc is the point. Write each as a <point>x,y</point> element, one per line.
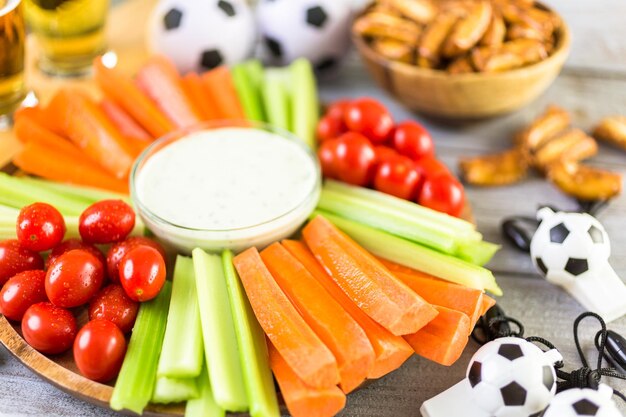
<point>361,145</point>
<point>42,295</point>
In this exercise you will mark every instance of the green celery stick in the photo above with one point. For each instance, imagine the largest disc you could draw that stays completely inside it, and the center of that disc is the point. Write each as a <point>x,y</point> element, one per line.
<point>254,69</point>
<point>378,216</point>
<point>276,97</point>
<point>248,95</point>
<point>135,383</point>
<point>17,193</point>
<point>6,210</point>
<point>478,253</point>
<point>304,101</point>
<point>204,405</point>
<point>415,256</point>
<point>79,192</point>
<point>403,206</point>
<point>252,347</point>
<point>174,390</point>
<point>181,356</point>
<point>218,330</point>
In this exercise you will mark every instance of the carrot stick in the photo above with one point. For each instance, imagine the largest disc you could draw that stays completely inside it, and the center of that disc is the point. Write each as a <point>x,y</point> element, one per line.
<point>487,303</point>
<point>391,351</point>
<point>193,87</point>
<point>86,125</point>
<point>54,164</point>
<point>305,353</point>
<point>123,121</point>
<point>332,324</point>
<point>301,399</point>
<point>124,92</point>
<point>219,86</point>
<point>446,294</point>
<point>159,79</point>
<point>28,130</point>
<point>443,339</point>
<point>366,281</point>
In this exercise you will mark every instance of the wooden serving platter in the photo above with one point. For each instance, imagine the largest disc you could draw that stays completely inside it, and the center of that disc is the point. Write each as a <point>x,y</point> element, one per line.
<point>127,40</point>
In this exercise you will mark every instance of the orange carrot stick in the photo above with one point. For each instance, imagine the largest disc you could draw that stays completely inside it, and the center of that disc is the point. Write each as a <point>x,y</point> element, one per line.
<point>54,164</point>
<point>305,353</point>
<point>301,399</point>
<point>443,339</point>
<point>124,92</point>
<point>366,281</point>
<point>28,130</point>
<point>123,121</point>
<point>487,303</point>
<point>391,351</point>
<point>220,88</point>
<point>193,87</point>
<point>332,324</point>
<point>159,79</point>
<point>86,125</point>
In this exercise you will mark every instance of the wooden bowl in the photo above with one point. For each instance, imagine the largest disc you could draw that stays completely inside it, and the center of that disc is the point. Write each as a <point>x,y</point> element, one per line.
<point>464,96</point>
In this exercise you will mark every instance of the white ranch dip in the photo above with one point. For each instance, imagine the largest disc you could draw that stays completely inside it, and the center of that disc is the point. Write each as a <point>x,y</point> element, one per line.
<point>231,185</point>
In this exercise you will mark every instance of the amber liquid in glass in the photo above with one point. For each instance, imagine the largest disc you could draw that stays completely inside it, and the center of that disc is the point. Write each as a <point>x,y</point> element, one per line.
<point>70,33</point>
<point>12,38</point>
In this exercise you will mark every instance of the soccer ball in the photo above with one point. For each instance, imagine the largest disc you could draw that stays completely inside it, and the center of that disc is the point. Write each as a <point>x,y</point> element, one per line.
<point>511,377</point>
<point>318,30</point>
<point>583,402</point>
<point>569,246</point>
<point>201,35</point>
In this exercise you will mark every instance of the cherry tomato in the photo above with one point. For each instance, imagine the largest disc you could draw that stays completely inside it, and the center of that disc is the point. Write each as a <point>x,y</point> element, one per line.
<point>74,278</point>
<point>99,350</point>
<point>142,273</point>
<point>356,160</point>
<point>15,259</point>
<point>370,118</point>
<point>40,227</point>
<point>71,244</point>
<point>337,110</point>
<point>117,252</point>
<point>443,193</point>
<point>431,167</point>
<point>22,291</point>
<point>329,128</point>
<point>48,328</point>
<point>384,153</point>
<point>106,221</point>
<point>327,154</point>
<point>398,177</point>
<point>413,140</point>
<point>111,303</point>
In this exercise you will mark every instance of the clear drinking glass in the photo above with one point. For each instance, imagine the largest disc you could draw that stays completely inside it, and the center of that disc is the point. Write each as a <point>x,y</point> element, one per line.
<point>12,38</point>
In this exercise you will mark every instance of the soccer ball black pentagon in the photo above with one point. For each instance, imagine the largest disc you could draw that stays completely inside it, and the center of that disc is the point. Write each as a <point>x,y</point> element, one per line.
<point>313,29</point>
<point>200,35</point>
<point>511,377</point>
<point>583,403</point>
<point>567,246</point>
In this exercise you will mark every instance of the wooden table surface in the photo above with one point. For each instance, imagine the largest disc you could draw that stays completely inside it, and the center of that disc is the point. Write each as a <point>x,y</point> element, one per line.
<point>592,85</point>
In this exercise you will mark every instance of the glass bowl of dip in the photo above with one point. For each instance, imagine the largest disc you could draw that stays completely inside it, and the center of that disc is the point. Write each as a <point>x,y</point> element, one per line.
<point>225,185</point>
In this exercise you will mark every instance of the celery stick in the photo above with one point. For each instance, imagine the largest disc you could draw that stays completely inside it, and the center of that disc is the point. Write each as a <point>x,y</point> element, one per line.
<point>16,193</point>
<point>181,356</point>
<point>248,96</point>
<point>404,206</point>
<point>276,98</point>
<point>79,192</point>
<point>478,253</point>
<point>135,383</point>
<point>5,210</point>
<point>416,256</point>
<point>204,405</point>
<point>254,70</point>
<point>252,347</point>
<point>174,390</point>
<point>377,216</point>
<point>304,101</point>
<point>218,330</point>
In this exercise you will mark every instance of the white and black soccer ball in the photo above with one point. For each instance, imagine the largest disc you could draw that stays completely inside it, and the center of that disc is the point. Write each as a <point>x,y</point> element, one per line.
<point>201,35</point>
<point>569,246</point>
<point>318,30</point>
<point>583,403</point>
<point>511,377</point>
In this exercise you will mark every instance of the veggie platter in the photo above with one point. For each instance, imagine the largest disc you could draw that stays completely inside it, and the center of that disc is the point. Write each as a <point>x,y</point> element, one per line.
<point>207,242</point>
